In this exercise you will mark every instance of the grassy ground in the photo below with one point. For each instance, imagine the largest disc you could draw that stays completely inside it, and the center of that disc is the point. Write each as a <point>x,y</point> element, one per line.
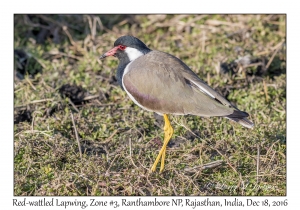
<point>59,83</point>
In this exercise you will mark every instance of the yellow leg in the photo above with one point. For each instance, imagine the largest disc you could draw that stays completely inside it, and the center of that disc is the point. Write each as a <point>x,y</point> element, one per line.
<point>162,153</point>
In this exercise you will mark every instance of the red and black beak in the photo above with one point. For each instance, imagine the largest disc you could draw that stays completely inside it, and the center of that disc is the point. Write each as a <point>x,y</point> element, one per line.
<point>111,52</point>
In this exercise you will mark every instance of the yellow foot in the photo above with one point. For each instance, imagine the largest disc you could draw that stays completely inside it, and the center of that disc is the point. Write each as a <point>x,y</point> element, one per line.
<point>162,162</point>
<point>162,153</point>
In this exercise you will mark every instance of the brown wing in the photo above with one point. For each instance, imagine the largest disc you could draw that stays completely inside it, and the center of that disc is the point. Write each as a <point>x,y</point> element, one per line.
<point>162,83</point>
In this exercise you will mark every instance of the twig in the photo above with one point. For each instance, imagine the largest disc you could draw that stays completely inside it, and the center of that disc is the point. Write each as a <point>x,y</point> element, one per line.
<point>253,64</point>
<point>206,166</point>
<point>262,53</point>
<point>171,184</point>
<point>278,110</point>
<point>208,79</point>
<point>203,41</point>
<point>181,124</point>
<point>278,45</point>
<point>106,173</point>
<point>109,138</point>
<point>227,161</point>
<point>26,78</point>
<point>266,91</point>
<point>29,22</point>
<point>35,101</point>
<point>41,100</point>
<point>89,19</point>
<point>262,175</point>
<point>218,22</point>
<point>76,135</point>
<point>65,29</point>
<point>188,178</point>
<point>97,105</point>
<point>33,118</point>
<point>273,56</point>
<point>98,20</point>
<point>242,182</point>
<point>82,176</point>
<point>268,151</point>
<point>73,105</point>
<point>44,17</point>
<point>257,163</point>
<point>58,54</point>
<point>268,165</point>
<point>70,56</point>
<point>110,104</point>
<point>130,154</point>
<point>35,131</point>
<point>142,165</point>
<point>90,97</point>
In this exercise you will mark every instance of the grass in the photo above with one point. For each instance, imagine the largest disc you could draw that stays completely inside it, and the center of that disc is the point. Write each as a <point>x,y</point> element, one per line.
<point>57,73</point>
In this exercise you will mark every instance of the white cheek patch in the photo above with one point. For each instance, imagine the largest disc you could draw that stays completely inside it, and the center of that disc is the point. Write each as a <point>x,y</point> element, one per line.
<point>133,53</point>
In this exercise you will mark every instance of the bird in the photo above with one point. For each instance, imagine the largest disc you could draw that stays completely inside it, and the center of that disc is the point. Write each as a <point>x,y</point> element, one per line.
<point>160,82</point>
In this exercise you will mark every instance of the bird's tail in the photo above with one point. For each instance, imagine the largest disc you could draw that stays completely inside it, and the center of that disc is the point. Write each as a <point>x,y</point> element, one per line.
<point>241,118</point>
<point>243,121</point>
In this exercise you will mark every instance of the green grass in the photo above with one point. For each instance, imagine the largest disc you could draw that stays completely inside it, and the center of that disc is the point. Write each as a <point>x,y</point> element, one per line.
<point>120,141</point>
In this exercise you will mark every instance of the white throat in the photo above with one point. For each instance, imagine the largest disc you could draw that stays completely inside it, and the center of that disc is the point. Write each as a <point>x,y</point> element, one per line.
<point>133,53</point>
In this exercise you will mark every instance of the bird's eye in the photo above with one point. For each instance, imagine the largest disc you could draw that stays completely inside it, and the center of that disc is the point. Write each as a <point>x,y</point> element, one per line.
<point>122,47</point>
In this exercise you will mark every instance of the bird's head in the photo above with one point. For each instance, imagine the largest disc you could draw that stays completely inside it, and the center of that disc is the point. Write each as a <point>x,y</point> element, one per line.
<point>127,47</point>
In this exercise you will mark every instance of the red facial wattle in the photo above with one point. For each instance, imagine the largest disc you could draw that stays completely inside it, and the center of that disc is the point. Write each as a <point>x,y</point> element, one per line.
<point>122,47</point>
<point>113,51</point>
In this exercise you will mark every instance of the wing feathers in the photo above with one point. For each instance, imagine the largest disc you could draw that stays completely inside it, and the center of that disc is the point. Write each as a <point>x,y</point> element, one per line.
<point>164,84</point>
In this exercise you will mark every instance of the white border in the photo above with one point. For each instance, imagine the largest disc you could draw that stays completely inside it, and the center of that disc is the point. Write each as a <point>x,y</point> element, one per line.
<point>187,6</point>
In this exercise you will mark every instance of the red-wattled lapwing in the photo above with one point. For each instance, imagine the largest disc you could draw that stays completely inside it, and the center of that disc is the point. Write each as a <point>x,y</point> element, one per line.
<point>162,83</point>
